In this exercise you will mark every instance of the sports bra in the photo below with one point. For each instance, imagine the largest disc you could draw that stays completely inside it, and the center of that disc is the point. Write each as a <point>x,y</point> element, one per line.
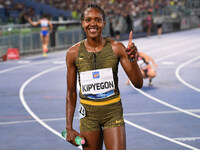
<point>141,62</point>
<point>44,23</point>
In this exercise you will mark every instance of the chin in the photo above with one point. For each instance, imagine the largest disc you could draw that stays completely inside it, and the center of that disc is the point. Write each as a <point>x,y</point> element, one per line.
<point>92,35</point>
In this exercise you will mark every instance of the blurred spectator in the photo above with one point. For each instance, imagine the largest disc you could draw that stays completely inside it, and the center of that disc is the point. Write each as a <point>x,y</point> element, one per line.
<point>117,26</point>
<point>149,22</point>
<point>128,10</point>
<point>60,18</point>
<point>159,21</point>
<point>129,22</point>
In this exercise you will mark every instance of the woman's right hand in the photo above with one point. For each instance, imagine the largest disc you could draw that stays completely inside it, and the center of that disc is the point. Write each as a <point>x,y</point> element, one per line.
<point>71,135</point>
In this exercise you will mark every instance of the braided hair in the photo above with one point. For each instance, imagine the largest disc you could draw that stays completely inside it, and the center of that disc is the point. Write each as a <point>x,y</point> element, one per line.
<point>95,6</point>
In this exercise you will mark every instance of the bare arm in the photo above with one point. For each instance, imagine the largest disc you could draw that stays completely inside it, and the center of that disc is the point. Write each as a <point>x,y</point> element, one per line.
<point>131,68</point>
<point>155,65</point>
<point>50,25</point>
<point>148,58</point>
<point>31,22</point>
<point>71,96</point>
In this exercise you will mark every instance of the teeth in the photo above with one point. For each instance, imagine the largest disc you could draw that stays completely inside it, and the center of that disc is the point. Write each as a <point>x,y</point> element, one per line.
<point>93,30</point>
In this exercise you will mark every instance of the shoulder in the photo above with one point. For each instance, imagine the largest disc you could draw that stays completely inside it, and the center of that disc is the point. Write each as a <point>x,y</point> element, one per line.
<point>72,52</point>
<point>116,44</point>
<point>117,47</point>
<point>39,21</point>
<point>142,55</point>
<point>146,57</point>
<point>48,21</point>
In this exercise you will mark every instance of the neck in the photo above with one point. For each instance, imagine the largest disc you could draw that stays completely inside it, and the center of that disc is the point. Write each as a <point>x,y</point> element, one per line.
<point>94,44</point>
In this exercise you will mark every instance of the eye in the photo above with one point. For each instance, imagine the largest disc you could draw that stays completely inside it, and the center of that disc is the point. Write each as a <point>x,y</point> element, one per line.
<point>98,19</point>
<point>87,19</point>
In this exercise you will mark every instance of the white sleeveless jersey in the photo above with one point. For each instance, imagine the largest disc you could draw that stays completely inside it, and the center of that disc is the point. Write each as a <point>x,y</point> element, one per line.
<point>44,23</point>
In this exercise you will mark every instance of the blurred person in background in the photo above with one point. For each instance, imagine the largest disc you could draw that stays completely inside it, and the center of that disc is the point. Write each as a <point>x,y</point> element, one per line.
<point>117,27</point>
<point>129,21</point>
<point>118,23</point>
<point>146,68</point>
<point>45,24</point>
<point>159,21</point>
<point>149,22</point>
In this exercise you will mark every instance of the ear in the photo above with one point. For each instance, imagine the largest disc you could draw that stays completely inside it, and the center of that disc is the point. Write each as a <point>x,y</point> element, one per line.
<point>82,23</point>
<point>104,23</point>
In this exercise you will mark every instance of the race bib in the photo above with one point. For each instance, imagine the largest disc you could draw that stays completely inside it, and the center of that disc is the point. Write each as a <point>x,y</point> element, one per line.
<point>97,84</point>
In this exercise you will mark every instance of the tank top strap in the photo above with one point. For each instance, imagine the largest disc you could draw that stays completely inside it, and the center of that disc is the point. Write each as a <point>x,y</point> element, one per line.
<point>107,44</point>
<point>83,50</point>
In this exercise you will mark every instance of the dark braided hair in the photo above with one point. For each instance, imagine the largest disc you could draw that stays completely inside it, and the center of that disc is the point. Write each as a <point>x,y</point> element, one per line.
<point>95,6</point>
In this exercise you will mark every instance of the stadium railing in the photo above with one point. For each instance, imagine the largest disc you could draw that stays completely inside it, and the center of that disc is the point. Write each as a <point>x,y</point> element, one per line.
<point>27,38</point>
<point>66,33</point>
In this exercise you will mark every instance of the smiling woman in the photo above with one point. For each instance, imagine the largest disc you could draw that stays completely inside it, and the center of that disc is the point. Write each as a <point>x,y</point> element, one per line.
<point>95,60</point>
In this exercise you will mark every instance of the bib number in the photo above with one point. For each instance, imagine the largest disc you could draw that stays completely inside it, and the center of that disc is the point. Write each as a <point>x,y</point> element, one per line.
<point>98,83</point>
<point>82,112</point>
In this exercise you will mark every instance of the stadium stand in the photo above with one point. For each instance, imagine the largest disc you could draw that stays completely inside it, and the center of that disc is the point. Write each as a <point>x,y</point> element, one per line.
<point>65,16</point>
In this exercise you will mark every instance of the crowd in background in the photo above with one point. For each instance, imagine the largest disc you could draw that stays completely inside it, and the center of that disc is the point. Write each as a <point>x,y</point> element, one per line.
<point>135,8</point>
<point>120,13</point>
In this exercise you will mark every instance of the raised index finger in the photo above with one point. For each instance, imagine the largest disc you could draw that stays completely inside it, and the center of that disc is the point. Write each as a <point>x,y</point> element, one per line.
<point>130,39</point>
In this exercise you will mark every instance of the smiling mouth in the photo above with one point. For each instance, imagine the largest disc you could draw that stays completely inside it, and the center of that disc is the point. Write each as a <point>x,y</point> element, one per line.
<point>93,30</point>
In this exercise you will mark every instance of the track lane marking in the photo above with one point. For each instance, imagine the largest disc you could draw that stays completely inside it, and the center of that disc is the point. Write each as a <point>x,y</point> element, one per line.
<point>161,136</point>
<point>27,65</point>
<point>125,115</point>
<point>187,139</point>
<point>166,104</point>
<point>23,101</point>
<point>183,81</point>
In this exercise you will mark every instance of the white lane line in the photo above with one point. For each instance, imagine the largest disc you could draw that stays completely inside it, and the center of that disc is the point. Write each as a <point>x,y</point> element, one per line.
<point>27,65</point>
<point>166,39</point>
<point>178,53</point>
<point>160,112</point>
<point>168,63</point>
<point>59,62</point>
<point>23,101</point>
<point>161,136</point>
<point>184,139</point>
<point>17,122</point>
<point>166,104</point>
<point>181,80</point>
<point>125,115</point>
<point>163,45</point>
<point>32,121</point>
<point>23,62</point>
<point>171,46</point>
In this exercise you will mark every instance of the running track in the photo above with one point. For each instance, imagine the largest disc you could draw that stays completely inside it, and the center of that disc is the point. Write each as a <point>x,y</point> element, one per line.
<point>165,116</point>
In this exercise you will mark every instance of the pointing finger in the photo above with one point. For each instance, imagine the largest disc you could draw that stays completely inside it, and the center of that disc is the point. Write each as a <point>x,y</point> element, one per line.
<point>130,38</point>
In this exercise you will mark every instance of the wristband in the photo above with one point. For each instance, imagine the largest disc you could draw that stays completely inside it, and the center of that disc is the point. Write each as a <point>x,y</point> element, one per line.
<point>128,49</point>
<point>131,60</point>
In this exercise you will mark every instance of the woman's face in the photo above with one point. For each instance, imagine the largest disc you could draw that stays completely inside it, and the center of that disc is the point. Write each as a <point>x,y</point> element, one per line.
<point>93,22</point>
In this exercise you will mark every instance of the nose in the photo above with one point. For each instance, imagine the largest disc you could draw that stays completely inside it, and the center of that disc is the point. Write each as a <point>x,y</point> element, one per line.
<point>93,22</point>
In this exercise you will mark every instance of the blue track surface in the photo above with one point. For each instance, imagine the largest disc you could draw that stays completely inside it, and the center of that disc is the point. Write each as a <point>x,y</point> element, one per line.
<point>165,116</point>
